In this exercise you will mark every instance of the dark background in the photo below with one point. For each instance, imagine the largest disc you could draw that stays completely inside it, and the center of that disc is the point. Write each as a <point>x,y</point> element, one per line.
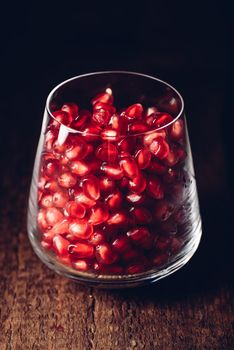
<point>188,44</point>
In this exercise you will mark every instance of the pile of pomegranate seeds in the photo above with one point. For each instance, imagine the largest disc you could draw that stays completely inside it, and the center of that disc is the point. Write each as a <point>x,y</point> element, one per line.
<point>109,196</point>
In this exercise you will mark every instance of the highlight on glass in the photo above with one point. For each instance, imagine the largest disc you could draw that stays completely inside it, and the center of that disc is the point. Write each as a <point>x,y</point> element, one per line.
<point>113,200</point>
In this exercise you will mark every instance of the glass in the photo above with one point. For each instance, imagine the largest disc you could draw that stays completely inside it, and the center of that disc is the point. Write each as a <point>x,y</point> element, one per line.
<point>113,200</point>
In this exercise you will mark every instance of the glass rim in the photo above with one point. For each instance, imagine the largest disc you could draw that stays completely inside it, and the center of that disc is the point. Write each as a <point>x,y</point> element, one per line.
<point>71,130</point>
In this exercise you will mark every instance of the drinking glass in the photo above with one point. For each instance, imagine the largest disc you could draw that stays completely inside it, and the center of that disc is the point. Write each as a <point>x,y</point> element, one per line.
<point>113,200</point>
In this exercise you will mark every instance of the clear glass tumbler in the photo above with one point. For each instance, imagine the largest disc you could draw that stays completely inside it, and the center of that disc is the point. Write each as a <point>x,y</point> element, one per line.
<point>113,200</point>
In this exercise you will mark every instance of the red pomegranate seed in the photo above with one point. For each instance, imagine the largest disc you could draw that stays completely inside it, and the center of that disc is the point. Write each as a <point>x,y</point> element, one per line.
<point>97,237</point>
<point>109,135</point>
<point>176,245</point>
<point>71,109</point>
<point>141,236</point>
<point>136,198</point>
<point>127,144</point>
<point>91,132</point>
<point>113,171</point>
<point>61,117</point>
<point>60,244</point>
<point>159,147</point>
<point>53,215</point>
<point>154,188</point>
<point>80,197</point>
<point>46,245</point>
<point>60,199</point>
<point>121,244</point>
<point>160,259</point>
<point>131,255</point>
<point>107,152</point>
<point>156,167</point>
<point>74,210</point>
<point>51,186</point>
<point>143,157</point>
<point>80,120</point>
<point>105,255</point>
<point>169,226</point>
<point>118,218</point>
<point>129,167</point>
<point>138,127</point>
<point>124,154</point>
<point>81,265</point>
<point>106,184</point>
<point>82,250</point>
<point>80,228</point>
<point>151,110</point>
<point>149,137</point>
<point>59,228</point>
<point>172,158</point>
<point>77,151</point>
<point>114,199</point>
<point>50,167</point>
<point>99,214</point>
<point>134,111</point>
<point>177,130</point>
<point>169,103</point>
<point>163,210</point>
<point>90,186</point>
<point>79,167</point>
<point>102,113</point>
<point>137,184</point>
<point>141,215</point>
<point>163,243</point>
<point>67,180</point>
<point>47,201</point>
<point>118,123</point>
<point>163,119</point>
<point>104,97</point>
<point>136,268</point>
<point>50,137</point>
<point>41,220</point>
<point>60,148</point>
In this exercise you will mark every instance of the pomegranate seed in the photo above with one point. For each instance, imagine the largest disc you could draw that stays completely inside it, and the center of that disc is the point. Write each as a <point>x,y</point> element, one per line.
<point>71,109</point>
<point>136,268</point>
<point>60,244</point>
<point>82,250</point>
<point>104,97</point>
<point>121,244</point>
<point>59,148</point>
<point>163,119</point>
<point>156,167</point>
<point>97,237</point>
<point>102,113</point>
<point>151,110</point>
<point>41,220</point>
<point>107,152</point>
<point>176,245</point>
<point>169,226</point>
<point>99,214</point>
<point>118,123</point>
<point>149,137</point>
<point>177,130</point>
<point>171,158</point>
<point>61,117</point>
<point>118,218</point>
<point>50,167</point>
<point>77,151</point>
<point>105,255</point>
<point>81,229</point>
<point>46,245</point>
<point>60,199</point>
<point>127,144</point>
<point>50,137</point>
<point>137,184</point>
<point>65,259</point>
<point>154,188</point>
<point>81,198</point>
<point>141,215</point>
<point>79,167</point>
<point>131,255</point>
<point>53,215</point>
<point>90,186</point>
<point>143,157</point>
<point>81,265</point>
<point>159,147</point>
<point>169,103</point>
<point>137,128</point>
<point>47,201</point>
<point>106,184</point>
<point>160,259</point>
<point>162,210</point>
<point>110,135</point>
<point>67,180</point>
<point>80,120</point>
<point>51,186</point>
<point>134,111</point>
<point>114,199</point>
<point>91,133</point>
<point>136,198</point>
<point>59,228</point>
<point>141,236</point>
<point>129,167</point>
<point>163,243</point>
<point>113,171</point>
<point>74,210</point>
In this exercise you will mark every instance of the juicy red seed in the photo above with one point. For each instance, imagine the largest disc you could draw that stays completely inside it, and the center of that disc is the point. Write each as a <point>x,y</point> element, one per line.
<point>60,199</point>
<point>163,243</point>
<point>65,259</point>
<point>99,214</point>
<point>50,138</point>
<point>114,199</point>
<point>80,197</point>
<point>124,154</point>
<point>129,167</point>
<point>67,180</point>
<point>141,215</point>
<point>138,128</point>
<point>137,184</point>
<point>59,148</point>
<point>148,138</point>
<point>154,188</point>
<point>53,215</point>
<point>163,119</point>
<point>143,157</point>
<point>82,250</point>
<point>136,198</point>
<point>79,167</point>
<point>134,111</point>
<point>105,255</point>
<point>63,160</point>
<point>176,244</point>
<point>136,268</point>
<point>106,184</point>
<point>171,158</point>
<point>91,133</point>
<point>97,237</point>
<point>47,201</point>
<point>159,147</point>
<point>177,130</point>
<point>77,151</point>
<point>156,167</point>
<point>81,265</point>
<point>72,109</point>
<point>74,210</point>
<point>113,171</point>
<point>107,152</point>
<point>151,110</point>
<point>131,255</point>
<point>121,244</point>
<point>81,228</point>
<point>103,97</point>
<point>42,182</point>
<point>90,186</point>
<point>59,228</point>
<point>140,236</point>
<point>41,220</point>
<point>61,117</point>
<point>80,120</point>
<point>127,144</point>
<point>110,135</point>
<point>118,123</point>
<point>162,210</point>
<point>160,259</point>
<point>46,245</point>
<point>101,116</point>
<point>60,244</point>
<point>118,218</point>
<point>50,167</point>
